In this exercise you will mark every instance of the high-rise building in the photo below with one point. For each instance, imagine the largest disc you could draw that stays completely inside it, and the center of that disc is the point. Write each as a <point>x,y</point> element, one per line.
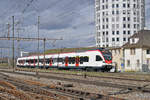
<point>117,20</point>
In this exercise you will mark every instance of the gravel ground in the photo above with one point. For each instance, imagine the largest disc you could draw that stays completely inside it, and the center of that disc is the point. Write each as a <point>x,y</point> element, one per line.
<point>92,88</point>
<point>125,82</point>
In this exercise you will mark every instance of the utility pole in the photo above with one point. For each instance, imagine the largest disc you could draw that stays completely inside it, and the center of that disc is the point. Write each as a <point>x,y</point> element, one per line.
<point>1,52</point>
<point>13,46</point>
<point>44,52</point>
<point>38,45</point>
<point>8,26</point>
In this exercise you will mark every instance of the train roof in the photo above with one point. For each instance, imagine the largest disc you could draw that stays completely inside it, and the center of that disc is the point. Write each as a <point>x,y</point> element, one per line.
<point>77,51</point>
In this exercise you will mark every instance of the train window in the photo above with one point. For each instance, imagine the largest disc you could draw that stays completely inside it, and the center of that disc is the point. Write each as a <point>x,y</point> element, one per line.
<point>98,58</point>
<point>59,60</point>
<point>69,59</point>
<point>31,61</point>
<point>81,59</point>
<point>54,60</point>
<point>35,60</point>
<point>81,62</point>
<point>47,61</point>
<point>86,59</point>
<point>41,61</point>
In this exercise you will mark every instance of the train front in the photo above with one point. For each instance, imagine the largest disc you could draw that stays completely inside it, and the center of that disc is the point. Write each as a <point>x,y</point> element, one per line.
<point>107,63</point>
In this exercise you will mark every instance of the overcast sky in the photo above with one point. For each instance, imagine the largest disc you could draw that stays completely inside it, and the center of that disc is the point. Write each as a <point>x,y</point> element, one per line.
<point>71,19</point>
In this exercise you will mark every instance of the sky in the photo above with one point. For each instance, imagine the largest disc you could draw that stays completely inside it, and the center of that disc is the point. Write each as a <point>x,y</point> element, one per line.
<point>72,20</point>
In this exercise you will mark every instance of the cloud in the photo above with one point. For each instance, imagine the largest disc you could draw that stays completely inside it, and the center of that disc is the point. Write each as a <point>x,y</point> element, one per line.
<point>71,19</point>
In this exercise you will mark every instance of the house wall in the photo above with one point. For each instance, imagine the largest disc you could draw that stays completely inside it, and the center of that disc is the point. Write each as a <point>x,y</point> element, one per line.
<point>133,62</point>
<point>146,57</point>
<point>117,59</point>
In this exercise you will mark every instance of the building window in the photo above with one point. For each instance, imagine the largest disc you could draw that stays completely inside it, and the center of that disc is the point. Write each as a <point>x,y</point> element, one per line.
<point>117,32</point>
<point>134,25</point>
<point>124,5</point>
<point>103,7</point>
<point>113,5</point>
<point>124,12</point>
<point>103,33</point>
<point>106,19</point>
<point>117,39</point>
<point>128,32</point>
<point>103,13</point>
<point>117,12</point>
<point>124,32</point>
<point>106,6</point>
<point>124,39</point>
<point>103,20</point>
<point>106,32</point>
<point>132,51</point>
<point>107,26</point>
<point>107,40</point>
<point>124,25</point>
<point>128,25</point>
<point>117,18</point>
<point>113,39</point>
<point>117,26</point>
<point>113,26</point>
<point>134,19</point>
<point>113,12</point>
<point>147,61</point>
<point>103,26</point>
<point>128,5</point>
<point>128,63</point>
<point>113,32</point>
<point>147,51</point>
<point>138,63</point>
<point>134,5</point>
<point>124,18</point>
<point>128,11</point>
<point>117,5</point>
<point>128,18</point>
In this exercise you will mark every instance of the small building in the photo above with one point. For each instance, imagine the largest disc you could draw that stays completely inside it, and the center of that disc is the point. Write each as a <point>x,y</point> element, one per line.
<point>117,58</point>
<point>137,52</point>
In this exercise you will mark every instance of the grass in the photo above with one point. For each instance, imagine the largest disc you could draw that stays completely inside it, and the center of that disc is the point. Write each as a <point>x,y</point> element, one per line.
<point>4,65</point>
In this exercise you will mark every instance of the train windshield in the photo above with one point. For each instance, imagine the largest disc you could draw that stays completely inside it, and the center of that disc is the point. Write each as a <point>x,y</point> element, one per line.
<point>107,55</point>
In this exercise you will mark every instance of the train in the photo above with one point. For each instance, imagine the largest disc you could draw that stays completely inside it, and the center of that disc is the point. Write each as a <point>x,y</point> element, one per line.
<point>99,59</point>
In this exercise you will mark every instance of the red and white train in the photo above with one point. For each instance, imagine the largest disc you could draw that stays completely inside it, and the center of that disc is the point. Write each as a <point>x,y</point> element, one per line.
<point>94,59</point>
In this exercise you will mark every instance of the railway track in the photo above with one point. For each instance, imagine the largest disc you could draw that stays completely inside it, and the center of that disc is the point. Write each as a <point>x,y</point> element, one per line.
<point>51,93</point>
<point>97,83</point>
<point>102,77</point>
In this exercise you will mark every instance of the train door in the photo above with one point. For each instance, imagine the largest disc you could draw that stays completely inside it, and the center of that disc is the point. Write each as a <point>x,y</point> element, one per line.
<point>50,62</point>
<point>34,62</point>
<point>98,60</point>
<point>66,61</point>
<point>77,61</point>
<point>29,63</point>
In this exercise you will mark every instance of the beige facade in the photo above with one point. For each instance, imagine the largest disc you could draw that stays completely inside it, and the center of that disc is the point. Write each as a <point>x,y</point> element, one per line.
<point>117,55</point>
<point>135,58</point>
